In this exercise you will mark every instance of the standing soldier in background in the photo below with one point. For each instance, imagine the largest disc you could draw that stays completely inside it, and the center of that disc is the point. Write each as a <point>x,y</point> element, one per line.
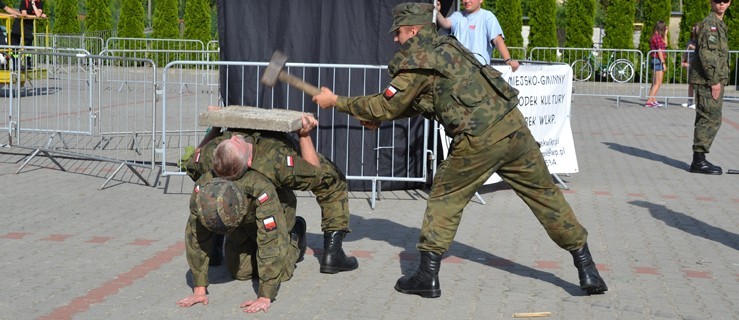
<point>709,73</point>
<point>438,78</point>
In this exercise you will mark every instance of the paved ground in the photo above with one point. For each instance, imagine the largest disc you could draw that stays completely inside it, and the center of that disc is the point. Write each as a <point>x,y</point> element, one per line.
<point>665,240</point>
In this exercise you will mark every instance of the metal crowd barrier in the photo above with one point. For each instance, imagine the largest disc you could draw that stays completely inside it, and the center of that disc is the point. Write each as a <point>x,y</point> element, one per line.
<point>82,114</point>
<point>599,72</point>
<point>161,51</point>
<point>675,78</point>
<point>106,106</point>
<point>518,53</point>
<point>92,44</point>
<point>180,129</point>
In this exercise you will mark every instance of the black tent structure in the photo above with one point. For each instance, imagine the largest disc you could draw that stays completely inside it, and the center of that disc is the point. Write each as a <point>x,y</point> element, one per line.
<point>320,32</point>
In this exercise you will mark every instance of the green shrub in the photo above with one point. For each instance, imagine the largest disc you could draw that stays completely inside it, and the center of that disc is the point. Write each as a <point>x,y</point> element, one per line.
<point>98,17</point>
<point>579,22</point>
<point>619,25</point>
<point>197,24</point>
<point>543,27</point>
<point>66,20</point>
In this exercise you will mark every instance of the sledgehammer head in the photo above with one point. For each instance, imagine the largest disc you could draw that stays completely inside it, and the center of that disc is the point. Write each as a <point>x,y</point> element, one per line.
<point>272,73</point>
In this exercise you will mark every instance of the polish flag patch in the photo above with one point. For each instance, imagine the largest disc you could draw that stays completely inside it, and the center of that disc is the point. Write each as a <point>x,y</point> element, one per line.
<point>713,29</point>
<point>263,198</point>
<point>290,161</point>
<point>269,223</point>
<point>197,188</point>
<point>197,157</point>
<point>390,92</point>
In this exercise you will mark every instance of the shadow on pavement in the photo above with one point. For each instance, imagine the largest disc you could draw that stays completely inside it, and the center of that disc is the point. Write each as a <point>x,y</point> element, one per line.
<point>29,92</point>
<point>646,154</point>
<point>406,238</point>
<point>689,224</point>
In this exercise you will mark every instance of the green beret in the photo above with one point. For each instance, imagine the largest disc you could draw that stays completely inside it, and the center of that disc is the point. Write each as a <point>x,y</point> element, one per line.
<point>412,14</point>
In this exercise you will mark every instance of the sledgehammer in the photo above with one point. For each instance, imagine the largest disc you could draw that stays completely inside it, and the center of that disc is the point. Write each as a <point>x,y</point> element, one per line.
<point>275,71</point>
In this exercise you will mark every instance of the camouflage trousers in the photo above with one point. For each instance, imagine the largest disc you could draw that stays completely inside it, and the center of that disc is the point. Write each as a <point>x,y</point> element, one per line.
<point>519,162</point>
<point>707,117</point>
<point>332,196</point>
<point>241,250</point>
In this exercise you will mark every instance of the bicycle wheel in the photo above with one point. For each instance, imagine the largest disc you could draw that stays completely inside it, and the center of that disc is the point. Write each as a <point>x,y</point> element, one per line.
<point>581,70</point>
<point>622,70</point>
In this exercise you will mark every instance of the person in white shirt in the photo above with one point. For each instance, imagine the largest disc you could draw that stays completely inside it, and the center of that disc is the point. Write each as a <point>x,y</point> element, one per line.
<point>478,30</point>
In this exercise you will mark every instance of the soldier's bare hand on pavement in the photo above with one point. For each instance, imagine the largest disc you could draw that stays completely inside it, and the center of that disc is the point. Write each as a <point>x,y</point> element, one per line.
<point>193,299</point>
<point>253,306</point>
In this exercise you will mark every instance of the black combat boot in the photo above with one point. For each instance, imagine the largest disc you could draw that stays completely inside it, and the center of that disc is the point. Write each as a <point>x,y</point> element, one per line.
<point>425,282</point>
<point>334,259</point>
<point>216,253</point>
<point>590,280</point>
<point>298,233</point>
<point>701,165</point>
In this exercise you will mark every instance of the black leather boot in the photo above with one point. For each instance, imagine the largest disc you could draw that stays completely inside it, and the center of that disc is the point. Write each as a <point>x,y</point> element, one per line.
<point>216,253</point>
<point>701,165</point>
<point>425,282</point>
<point>334,259</point>
<point>590,280</point>
<point>298,233</point>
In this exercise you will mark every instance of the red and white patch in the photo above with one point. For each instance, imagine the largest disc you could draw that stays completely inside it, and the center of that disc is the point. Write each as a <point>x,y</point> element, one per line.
<point>269,223</point>
<point>263,198</point>
<point>713,29</point>
<point>197,157</point>
<point>472,27</point>
<point>390,92</point>
<point>197,188</point>
<point>290,161</point>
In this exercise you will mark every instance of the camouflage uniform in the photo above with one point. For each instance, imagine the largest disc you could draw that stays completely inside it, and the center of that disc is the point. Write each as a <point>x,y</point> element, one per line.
<point>710,66</point>
<point>251,249</point>
<point>276,157</point>
<point>436,77</point>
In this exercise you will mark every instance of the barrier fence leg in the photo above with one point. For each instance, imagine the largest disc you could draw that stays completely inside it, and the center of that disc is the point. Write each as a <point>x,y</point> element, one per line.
<point>33,154</point>
<point>132,170</point>
<point>477,194</point>
<point>564,186</point>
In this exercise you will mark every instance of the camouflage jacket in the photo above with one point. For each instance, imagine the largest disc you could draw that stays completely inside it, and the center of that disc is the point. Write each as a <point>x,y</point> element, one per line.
<point>274,155</point>
<point>273,244</point>
<point>436,77</point>
<point>277,158</point>
<point>711,63</point>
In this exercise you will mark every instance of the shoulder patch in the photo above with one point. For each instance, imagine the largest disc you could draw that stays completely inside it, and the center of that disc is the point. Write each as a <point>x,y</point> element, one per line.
<point>390,91</point>
<point>290,161</point>
<point>197,188</point>
<point>197,157</point>
<point>263,198</point>
<point>269,223</point>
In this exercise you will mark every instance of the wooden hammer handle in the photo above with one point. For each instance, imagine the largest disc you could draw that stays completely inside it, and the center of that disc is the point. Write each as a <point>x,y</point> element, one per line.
<point>298,83</point>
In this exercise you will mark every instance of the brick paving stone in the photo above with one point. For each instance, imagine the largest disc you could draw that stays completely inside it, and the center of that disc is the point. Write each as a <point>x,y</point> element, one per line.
<point>665,239</point>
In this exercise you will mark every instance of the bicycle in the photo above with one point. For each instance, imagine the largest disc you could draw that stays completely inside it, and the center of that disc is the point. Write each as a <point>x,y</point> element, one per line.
<point>620,70</point>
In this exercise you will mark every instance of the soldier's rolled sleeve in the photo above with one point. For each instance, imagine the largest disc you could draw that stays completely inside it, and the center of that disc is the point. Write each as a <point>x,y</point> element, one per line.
<point>196,236</point>
<point>272,245</point>
<point>394,104</point>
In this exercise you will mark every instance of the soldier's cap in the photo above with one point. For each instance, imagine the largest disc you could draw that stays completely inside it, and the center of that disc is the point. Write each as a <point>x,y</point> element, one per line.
<point>412,14</point>
<point>219,205</point>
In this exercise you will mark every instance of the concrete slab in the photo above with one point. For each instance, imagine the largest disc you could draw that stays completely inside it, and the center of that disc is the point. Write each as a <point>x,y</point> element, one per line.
<point>252,118</point>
